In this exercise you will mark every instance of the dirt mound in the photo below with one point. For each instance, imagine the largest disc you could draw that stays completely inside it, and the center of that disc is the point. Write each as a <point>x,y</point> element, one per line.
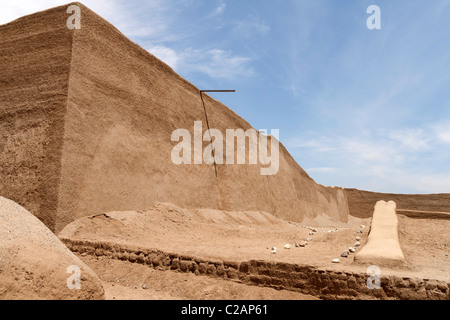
<point>86,119</point>
<point>169,227</point>
<point>34,263</point>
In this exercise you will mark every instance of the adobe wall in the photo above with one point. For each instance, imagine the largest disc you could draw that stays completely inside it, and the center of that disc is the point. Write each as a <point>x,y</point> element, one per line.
<point>86,120</point>
<point>35,55</point>
<point>325,284</point>
<point>383,245</point>
<point>123,106</point>
<point>361,203</point>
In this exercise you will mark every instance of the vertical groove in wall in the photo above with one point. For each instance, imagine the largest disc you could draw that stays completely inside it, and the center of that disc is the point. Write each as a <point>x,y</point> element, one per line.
<point>209,131</point>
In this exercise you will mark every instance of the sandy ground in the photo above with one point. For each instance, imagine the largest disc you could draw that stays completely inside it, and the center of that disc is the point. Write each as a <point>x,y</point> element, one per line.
<point>129,281</point>
<point>426,246</point>
<point>243,236</point>
<point>238,236</point>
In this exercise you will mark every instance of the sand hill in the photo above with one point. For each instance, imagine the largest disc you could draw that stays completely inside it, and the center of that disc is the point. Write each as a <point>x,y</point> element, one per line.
<point>34,263</point>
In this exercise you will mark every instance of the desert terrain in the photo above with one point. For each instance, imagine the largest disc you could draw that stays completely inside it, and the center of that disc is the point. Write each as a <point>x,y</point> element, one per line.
<point>87,185</point>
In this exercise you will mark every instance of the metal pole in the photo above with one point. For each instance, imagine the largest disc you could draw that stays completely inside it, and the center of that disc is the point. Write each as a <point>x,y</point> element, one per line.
<point>217,90</point>
<point>207,122</point>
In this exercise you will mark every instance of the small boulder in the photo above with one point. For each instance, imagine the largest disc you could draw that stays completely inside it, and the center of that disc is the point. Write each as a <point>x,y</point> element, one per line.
<point>303,244</point>
<point>336,261</point>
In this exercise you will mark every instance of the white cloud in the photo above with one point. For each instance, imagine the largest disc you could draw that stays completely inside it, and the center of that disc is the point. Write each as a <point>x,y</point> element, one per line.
<point>216,63</point>
<point>220,9</point>
<point>166,54</point>
<point>445,136</point>
<point>158,17</point>
<point>362,151</point>
<point>413,139</point>
<point>119,13</point>
<point>442,132</point>
<point>387,162</point>
<point>437,183</point>
<point>251,26</point>
<point>357,150</point>
<point>11,10</point>
<point>320,170</point>
<point>321,144</point>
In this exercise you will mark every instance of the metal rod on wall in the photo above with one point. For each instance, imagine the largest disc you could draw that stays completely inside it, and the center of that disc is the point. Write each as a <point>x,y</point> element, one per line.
<point>207,121</point>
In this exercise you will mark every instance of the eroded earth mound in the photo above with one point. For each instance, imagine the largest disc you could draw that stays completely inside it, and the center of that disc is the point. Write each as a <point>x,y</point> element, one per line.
<point>34,263</point>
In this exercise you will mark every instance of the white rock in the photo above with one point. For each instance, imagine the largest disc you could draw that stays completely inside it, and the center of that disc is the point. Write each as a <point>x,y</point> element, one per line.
<point>358,238</point>
<point>336,261</point>
<point>357,244</point>
<point>351,249</point>
<point>345,254</point>
<point>311,233</point>
<point>274,250</point>
<point>363,226</point>
<point>360,231</point>
<point>288,246</point>
<point>309,239</point>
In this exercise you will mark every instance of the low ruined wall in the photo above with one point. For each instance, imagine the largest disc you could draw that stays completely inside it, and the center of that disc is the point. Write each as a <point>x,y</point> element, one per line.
<point>383,245</point>
<point>325,284</point>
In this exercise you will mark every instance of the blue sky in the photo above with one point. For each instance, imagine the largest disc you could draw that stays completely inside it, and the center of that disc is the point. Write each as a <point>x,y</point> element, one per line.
<point>359,108</point>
